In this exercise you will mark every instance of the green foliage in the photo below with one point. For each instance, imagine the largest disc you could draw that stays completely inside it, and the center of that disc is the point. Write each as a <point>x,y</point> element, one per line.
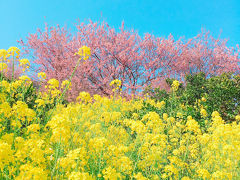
<point>222,94</point>
<point>195,88</point>
<point>157,93</point>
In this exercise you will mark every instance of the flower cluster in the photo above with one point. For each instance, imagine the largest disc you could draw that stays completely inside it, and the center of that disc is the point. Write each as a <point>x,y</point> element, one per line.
<point>116,84</point>
<point>84,52</point>
<point>9,59</point>
<point>175,85</point>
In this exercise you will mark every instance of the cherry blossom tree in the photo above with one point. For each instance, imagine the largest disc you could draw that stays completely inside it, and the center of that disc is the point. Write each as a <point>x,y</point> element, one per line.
<point>137,61</point>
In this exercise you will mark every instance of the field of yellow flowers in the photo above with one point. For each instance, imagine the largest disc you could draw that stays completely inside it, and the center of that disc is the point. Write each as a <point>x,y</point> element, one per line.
<point>107,137</point>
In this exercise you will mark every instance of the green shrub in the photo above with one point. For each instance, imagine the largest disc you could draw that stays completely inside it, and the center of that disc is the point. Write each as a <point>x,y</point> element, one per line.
<point>222,94</point>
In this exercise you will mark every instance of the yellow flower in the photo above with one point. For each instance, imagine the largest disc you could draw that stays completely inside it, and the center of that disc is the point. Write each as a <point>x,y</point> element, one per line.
<point>160,104</point>
<point>203,112</point>
<point>42,76</point>
<point>40,102</point>
<point>6,154</point>
<point>8,138</point>
<point>175,85</point>
<point>14,51</point>
<point>28,171</point>
<point>24,78</point>
<point>2,97</point>
<point>24,62</point>
<point>3,66</point>
<point>3,54</point>
<point>84,96</point>
<point>237,117</point>
<point>79,175</point>
<point>16,84</point>
<point>192,125</point>
<point>203,173</point>
<point>84,52</point>
<point>116,83</point>
<point>179,115</point>
<point>5,108</point>
<point>4,84</point>
<point>185,178</point>
<point>33,128</point>
<point>215,114</point>
<point>111,173</point>
<point>139,176</point>
<point>53,83</point>
<point>164,176</point>
<point>165,116</point>
<point>66,82</point>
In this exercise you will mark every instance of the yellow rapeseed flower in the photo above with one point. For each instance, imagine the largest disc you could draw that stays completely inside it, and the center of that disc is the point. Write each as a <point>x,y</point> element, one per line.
<point>42,76</point>
<point>3,66</point>
<point>53,83</point>
<point>116,83</point>
<point>204,99</point>
<point>185,178</point>
<point>6,154</point>
<point>203,112</point>
<point>13,51</point>
<point>3,54</point>
<point>84,96</point>
<point>175,85</point>
<point>111,173</point>
<point>237,117</point>
<point>24,63</point>
<point>24,78</point>
<point>139,176</point>
<point>84,52</point>
<point>40,102</point>
<point>65,83</point>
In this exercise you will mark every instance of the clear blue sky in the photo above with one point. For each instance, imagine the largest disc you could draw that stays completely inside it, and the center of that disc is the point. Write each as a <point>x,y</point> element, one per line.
<point>160,17</point>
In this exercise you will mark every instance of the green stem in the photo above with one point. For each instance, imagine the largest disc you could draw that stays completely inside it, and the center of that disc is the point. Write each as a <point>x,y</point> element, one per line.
<point>62,95</point>
<point>70,79</point>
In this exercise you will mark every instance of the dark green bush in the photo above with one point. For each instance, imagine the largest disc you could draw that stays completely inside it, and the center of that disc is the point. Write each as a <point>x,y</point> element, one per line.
<point>222,94</point>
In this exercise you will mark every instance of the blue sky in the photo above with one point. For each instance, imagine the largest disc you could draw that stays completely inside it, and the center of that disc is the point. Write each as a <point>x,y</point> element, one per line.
<point>159,17</point>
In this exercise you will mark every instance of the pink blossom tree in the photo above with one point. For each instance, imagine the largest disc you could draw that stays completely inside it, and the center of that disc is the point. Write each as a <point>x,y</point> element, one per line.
<point>136,61</point>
